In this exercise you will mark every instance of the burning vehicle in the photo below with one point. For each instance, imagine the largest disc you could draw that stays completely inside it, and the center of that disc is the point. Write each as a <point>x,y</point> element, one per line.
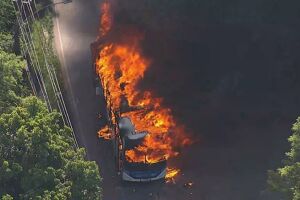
<point>137,171</point>
<point>144,132</point>
<point>126,138</point>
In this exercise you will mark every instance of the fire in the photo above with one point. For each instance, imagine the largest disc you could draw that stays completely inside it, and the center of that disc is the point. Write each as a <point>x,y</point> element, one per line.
<point>121,67</point>
<point>105,133</point>
<point>171,173</point>
<point>106,19</point>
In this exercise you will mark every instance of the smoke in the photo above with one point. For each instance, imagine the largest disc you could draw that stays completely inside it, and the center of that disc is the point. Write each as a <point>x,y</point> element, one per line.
<point>229,70</point>
<point>206,55</point>
<point>213,62</point>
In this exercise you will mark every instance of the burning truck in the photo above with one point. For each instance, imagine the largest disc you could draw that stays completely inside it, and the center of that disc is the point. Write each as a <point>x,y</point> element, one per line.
<point>143,131</point>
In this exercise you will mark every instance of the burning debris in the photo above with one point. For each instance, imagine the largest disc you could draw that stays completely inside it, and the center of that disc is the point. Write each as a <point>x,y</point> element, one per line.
<point>105,133</point>
<point>121,66</point>
<point>171,173</point>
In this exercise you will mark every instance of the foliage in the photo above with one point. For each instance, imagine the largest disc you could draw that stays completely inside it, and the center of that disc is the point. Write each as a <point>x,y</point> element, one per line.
<point>287,178</point>
<point>43,39</point>
<point>6,42</point>
<point>7,197</point>
<point>7,15</point>
<point>38,160</point>
<point>11,87</point>
<point>37,157</point>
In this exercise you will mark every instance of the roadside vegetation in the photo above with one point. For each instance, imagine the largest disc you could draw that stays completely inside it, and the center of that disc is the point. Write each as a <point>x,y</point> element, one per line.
<point>286,179</point>
<point>38,159</point>
<point>43,39</point>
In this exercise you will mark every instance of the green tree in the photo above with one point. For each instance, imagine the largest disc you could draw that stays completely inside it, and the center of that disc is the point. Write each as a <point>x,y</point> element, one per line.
<point>7,197</point>
<point>7,15</point>
<point>82,174</point>
<point>11,80</point>
<point>37,157</point>
<point>6,42</point>
<point>287,178</point>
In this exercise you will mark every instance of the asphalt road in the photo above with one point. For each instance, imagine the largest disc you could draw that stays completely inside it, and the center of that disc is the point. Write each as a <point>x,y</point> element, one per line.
<point>229,164</point>
<point>73,35</point>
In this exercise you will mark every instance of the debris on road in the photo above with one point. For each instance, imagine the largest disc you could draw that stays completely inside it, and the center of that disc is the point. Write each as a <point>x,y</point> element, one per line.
<point>188,184</point>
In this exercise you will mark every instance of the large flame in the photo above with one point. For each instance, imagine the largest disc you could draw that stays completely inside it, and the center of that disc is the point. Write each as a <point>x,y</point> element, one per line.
<point>121,66</point>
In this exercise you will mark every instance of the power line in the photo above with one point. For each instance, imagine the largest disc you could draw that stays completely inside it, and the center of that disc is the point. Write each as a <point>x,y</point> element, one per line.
<point>53,78</point>
<point>28,39</point>
<point>23,17</point>
<point>27,50</point>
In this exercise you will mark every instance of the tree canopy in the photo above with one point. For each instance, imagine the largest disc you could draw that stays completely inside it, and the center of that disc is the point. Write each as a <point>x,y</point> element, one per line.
<point>37,156</point>
<point>6,42</point>
<point>38,160</point>
<point>287,178</point>
<point>7,15</point>
<point>11,87</point>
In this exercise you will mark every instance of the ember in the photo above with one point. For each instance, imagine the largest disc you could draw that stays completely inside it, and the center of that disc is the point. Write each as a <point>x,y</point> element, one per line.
<point>188,184</point>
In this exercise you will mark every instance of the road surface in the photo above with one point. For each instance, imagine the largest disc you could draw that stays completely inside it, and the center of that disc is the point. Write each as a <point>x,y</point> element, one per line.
<point>232,165</point>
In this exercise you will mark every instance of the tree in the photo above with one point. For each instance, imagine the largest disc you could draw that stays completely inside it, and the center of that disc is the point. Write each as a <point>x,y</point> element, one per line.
<point>287,178</point>
<point>82,174</point>
<point>7,15</point>
<point>11,80</point>
<point>6,42</point>
<point>7,197</point>
<point>37,157</point>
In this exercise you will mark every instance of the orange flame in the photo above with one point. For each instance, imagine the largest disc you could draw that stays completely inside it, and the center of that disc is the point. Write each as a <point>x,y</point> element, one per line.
<point>105,133</point>
<point>106,19</point>
<point>121,66</point>
<point>171,173</point>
